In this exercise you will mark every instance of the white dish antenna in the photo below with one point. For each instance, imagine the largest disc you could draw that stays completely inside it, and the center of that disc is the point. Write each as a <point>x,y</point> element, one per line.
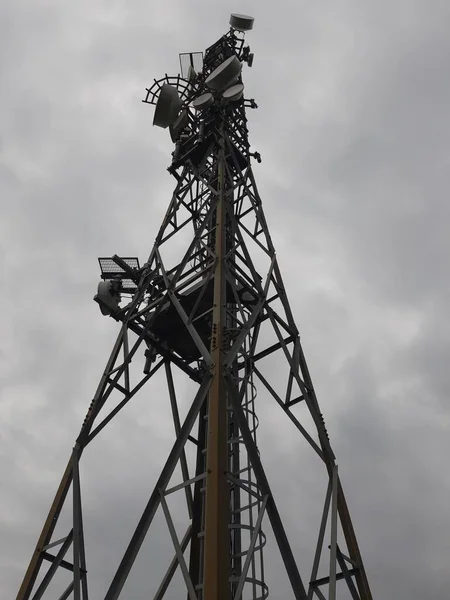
<point>203,101</point>
<point>167,107</point>
<point>241,22</point>
<point>225,75</point>
<point>234,93</point>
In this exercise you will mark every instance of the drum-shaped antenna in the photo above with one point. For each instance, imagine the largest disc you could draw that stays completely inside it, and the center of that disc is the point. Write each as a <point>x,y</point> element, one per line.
<point>241,22</point>
<point>233,93</point>
<point>203,101</point>
<point>225,75</point>
<point>167,107</point>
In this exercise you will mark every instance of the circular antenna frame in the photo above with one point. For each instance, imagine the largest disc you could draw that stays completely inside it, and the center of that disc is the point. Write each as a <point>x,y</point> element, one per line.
<point>241,22</point>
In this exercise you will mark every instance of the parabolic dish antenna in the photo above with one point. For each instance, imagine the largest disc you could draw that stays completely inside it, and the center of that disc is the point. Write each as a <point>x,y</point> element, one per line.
<point>203,101</point>
<point>241,22</point>
<point>225,75</point>
<point>234,92</point>
<point>167,107</point>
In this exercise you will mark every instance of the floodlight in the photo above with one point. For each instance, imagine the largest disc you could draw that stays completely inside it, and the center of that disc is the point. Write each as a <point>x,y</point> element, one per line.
<point>225,75</point>
<point>167,107</point>
<point>241,22</point>
<point>107,297</point>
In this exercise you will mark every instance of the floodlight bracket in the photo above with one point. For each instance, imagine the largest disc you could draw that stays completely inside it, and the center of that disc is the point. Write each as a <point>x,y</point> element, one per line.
<point>126,271</point>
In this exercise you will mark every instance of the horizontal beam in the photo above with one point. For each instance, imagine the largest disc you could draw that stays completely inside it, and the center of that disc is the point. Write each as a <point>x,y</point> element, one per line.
<point>273,348</point>
<point>63,563</point>
<point>325,580</point>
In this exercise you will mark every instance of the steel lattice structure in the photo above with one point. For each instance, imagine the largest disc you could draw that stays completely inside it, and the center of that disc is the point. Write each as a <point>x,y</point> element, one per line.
<point>209,302</point>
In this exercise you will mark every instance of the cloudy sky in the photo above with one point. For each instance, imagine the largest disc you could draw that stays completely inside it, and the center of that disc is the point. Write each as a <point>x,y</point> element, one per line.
<point>354,134</point>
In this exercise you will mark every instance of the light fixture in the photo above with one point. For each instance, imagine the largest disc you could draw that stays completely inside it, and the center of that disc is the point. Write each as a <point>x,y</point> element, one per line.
<point>108,296</point>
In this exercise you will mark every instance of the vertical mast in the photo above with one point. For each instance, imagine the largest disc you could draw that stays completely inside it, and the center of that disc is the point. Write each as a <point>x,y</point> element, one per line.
<point>217,545</point>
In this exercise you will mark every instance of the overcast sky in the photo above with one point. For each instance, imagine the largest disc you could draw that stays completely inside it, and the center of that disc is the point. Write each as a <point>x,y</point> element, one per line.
<point>354,134</point>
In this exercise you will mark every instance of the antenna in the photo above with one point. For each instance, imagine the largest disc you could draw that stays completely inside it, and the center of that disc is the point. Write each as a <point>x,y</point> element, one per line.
<point>225,75</point>
<point>181,122</point>
<point>234,93</point>
<point>241,22</point>
<point>203,101</point>
<point>167,107</point>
